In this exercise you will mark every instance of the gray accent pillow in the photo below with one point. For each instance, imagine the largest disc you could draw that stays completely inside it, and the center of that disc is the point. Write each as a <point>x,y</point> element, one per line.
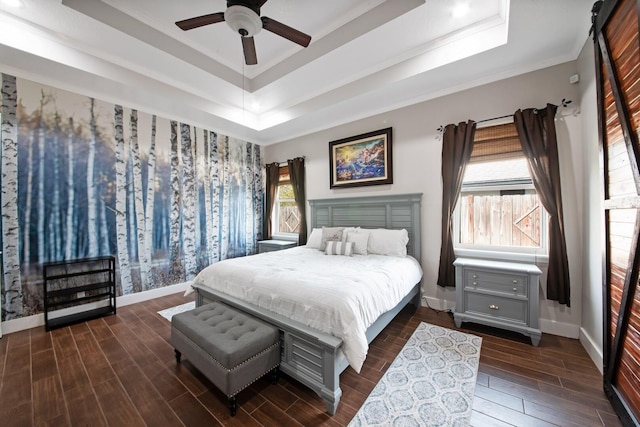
<point>330,233</point>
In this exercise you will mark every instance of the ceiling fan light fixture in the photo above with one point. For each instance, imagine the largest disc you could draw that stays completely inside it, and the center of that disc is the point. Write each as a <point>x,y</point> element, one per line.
<point>243,20</point>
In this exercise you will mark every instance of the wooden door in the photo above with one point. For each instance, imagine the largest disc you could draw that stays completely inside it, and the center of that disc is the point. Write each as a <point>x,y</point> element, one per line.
<point>617,53</point>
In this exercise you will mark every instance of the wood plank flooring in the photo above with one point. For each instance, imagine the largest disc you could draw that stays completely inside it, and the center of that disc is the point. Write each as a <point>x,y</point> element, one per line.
<point>120,371</point>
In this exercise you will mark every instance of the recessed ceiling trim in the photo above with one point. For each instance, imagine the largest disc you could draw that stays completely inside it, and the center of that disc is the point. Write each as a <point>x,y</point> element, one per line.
<point>102,12</point>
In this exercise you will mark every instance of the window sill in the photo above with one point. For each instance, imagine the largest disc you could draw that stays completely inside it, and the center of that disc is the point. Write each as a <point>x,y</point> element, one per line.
<point>503,256</point>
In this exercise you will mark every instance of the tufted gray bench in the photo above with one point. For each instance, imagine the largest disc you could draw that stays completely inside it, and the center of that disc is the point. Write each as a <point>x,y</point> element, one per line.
<point>230,348</point>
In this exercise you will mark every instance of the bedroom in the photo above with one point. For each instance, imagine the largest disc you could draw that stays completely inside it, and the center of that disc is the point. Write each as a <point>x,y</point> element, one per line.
<point>416,143</point>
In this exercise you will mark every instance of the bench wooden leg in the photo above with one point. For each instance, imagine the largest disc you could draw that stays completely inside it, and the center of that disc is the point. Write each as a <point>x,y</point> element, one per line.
<point>233,407</point>
<point>274,375</point>
<point>178,355</point>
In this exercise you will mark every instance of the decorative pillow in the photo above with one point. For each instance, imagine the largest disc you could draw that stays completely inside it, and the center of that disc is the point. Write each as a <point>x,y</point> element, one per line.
<point>330,233</point>
<point>360,239</point>
<point>348,230</point>
<point>315,238</point>
<point>335,247</point>
<point>388,242</point>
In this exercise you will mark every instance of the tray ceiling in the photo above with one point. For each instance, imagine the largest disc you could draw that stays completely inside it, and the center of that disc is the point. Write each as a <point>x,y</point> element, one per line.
<point>365,57</point>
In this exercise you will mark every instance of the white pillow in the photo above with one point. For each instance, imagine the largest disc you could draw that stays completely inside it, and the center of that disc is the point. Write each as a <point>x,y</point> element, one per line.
<point>360,239</point>
<point>388,242</point>
<point>315,238</point>
<point>335,247</point>
<point>348,230</point>
<point>330,233</point>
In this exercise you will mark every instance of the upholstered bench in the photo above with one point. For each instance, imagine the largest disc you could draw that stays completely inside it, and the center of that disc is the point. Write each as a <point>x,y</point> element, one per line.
<point>230,348</point>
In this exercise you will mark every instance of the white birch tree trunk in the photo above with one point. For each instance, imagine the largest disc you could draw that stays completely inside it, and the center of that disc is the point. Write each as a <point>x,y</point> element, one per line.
<point>121,205</point>
<point>70,234</point>
<point>151,191</point>
<point>224,179</point>
<point>131,209</point>
<point>214,179</point>
<point>137,192</point>
<point>189,210</point>
<point>257,194</point>
<point>41,208</point>
<point>13,301</point>
<point>174,235</point>
<point>197,174</point>
<point>27,206</point>
<point>104,228</point>
<point>207,196</point>
<point>248,194</point>
<point>56,212</point>
<point>92,229</point>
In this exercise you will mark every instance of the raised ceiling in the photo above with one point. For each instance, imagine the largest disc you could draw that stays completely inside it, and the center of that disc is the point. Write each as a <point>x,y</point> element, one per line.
<point>365,57</point>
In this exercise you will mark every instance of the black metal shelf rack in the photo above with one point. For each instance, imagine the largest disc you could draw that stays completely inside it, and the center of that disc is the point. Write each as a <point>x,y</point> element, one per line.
<point>78,290</point>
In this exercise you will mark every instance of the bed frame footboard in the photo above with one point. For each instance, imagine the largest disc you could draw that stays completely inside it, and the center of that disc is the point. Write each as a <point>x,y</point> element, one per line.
<point>307,355</point>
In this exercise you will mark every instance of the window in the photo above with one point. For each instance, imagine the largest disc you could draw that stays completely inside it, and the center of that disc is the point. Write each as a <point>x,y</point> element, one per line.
<point>286,217</point>
<point>498,208</point>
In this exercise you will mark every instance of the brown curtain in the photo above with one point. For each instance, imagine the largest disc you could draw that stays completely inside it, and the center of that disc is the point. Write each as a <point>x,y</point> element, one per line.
<point>296,175</point>
<point>273,176</point>
<point>457,144</point>
<point>537,133</point>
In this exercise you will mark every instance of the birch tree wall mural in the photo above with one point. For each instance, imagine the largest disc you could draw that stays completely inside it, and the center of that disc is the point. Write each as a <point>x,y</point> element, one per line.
<point>82,177</point>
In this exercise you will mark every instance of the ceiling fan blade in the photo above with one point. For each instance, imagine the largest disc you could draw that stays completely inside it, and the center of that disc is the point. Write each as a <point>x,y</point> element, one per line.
<point>200,21</point>
<point>249,48</point>
<point>285,31</point>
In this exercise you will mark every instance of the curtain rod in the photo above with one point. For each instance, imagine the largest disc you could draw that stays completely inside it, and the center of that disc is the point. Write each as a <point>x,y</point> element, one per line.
<point>285,162</point>
<point>565,102</point>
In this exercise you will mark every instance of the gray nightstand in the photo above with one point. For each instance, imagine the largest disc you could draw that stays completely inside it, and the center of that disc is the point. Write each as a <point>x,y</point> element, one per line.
<point>275,245</point>
<point>498,294</point>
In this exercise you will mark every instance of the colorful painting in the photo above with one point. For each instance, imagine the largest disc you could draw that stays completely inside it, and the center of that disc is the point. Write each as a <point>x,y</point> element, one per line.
<point>361,160</point>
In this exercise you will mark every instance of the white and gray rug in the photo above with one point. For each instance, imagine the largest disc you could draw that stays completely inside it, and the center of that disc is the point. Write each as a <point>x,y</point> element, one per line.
<point>169,312</point>
<point>430,383</point>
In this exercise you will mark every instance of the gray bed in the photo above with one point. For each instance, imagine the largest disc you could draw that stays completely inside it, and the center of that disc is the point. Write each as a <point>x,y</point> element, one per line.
<point>310,356</point>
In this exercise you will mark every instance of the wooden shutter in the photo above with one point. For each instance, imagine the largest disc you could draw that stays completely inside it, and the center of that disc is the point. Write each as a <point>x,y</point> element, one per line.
<point>617,55</point>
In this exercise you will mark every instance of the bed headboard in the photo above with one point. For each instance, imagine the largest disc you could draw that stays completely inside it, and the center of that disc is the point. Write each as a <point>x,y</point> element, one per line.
<point>393,211</point>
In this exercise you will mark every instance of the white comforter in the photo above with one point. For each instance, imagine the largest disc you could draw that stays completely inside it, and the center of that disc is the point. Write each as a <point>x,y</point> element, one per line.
<point>338,295</point>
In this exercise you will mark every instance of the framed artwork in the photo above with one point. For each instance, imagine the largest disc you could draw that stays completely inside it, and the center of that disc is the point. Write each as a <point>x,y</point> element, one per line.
<point>361,160</point>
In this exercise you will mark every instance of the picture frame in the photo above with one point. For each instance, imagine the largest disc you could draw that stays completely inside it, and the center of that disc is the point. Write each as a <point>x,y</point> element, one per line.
<point>361,160</point>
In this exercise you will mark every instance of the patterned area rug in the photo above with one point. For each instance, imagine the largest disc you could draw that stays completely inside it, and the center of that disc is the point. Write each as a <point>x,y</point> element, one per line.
<point>169,312</point>
<point>430,383</point>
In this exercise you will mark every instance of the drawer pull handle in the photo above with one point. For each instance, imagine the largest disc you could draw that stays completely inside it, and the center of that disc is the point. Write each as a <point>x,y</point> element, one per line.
<point>475,283</point>
<point>494,307</point>
<point>475,276</point>
<point>515,281</point>
<point>515,289</point>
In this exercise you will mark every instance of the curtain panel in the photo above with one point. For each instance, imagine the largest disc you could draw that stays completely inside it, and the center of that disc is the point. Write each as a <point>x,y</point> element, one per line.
<point>537,134</point>
<point>271,187</point>
<point>296,174</point>
<point>457,144</point>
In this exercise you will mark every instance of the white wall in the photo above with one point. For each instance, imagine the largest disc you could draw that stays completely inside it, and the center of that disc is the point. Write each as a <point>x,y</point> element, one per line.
<point>591,333</point>
<point>416,168</point>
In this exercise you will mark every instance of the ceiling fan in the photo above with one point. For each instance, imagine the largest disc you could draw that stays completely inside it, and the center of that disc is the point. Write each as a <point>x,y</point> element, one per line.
<point>244,18</point>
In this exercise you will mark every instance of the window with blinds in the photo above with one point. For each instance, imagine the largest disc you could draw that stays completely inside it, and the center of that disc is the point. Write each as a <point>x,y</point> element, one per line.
<point>498,208</point>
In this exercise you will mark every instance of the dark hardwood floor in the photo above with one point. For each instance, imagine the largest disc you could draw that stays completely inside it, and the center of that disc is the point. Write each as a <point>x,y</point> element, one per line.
<point>120,371</point>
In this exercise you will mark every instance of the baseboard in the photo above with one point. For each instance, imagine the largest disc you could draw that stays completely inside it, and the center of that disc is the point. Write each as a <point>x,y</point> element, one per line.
<point>36,320</point>
<point>594,352</point>
<point>438,304</point>
<point>561,329</point>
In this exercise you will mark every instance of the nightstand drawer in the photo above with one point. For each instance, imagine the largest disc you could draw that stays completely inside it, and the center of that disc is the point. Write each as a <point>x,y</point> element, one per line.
<point>512,284</point>
<point>503,308</point>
